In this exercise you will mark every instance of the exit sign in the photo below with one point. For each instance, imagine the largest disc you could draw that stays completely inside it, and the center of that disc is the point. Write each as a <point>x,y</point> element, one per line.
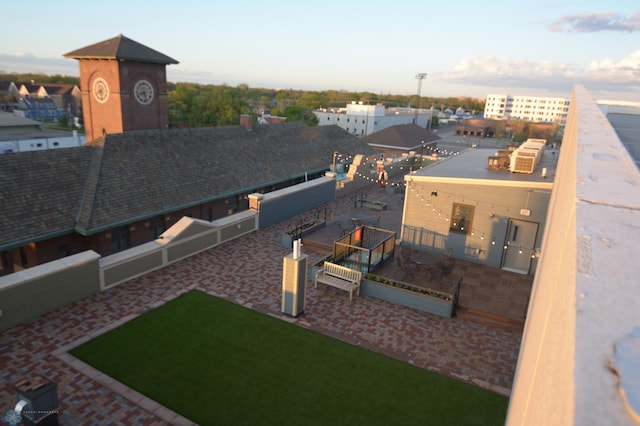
<point>525,212</point>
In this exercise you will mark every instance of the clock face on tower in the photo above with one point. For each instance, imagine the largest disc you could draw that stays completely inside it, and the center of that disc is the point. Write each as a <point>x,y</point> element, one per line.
<point>100,90</point>
<point>143,92</point>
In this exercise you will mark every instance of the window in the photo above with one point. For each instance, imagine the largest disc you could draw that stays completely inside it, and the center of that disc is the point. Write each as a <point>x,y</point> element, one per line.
<point>120,239</point>
<point>462,218</point>
<point>156,227</point>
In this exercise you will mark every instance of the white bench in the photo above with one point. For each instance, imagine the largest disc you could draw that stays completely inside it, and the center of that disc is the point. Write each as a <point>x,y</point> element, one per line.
<point>340,277</point>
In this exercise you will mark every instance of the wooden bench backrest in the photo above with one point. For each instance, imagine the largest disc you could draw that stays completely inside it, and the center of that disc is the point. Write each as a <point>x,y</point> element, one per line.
<point>342,271</point>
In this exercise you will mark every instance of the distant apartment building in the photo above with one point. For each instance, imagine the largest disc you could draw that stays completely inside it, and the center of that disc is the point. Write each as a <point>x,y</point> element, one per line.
<point>529,108</point>
<point>360,119</point>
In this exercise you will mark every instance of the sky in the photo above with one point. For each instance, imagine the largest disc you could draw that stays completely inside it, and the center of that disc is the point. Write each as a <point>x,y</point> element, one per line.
<point>466,48</point>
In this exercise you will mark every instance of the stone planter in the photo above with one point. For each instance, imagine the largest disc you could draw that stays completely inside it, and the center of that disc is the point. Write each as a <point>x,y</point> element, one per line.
<point>286,239</point>
<point>375,205</point>
<point>408,298</point>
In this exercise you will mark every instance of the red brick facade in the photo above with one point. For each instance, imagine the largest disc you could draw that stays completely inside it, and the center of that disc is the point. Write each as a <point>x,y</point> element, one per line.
<point>120,112</point>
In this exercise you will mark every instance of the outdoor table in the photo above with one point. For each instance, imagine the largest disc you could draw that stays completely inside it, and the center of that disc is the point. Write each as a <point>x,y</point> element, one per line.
<point>359,219</point>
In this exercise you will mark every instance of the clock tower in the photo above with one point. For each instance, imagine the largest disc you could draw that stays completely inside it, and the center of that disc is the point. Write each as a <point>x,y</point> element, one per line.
<point>124,87</point>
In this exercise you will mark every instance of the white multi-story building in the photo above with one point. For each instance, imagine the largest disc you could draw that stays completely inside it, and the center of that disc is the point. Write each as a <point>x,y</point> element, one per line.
<point>360,119</point>
<point>529,108</point>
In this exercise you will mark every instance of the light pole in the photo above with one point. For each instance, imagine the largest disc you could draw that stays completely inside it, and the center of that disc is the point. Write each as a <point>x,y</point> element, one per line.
<point>430,117</point>
<point>420,76</point>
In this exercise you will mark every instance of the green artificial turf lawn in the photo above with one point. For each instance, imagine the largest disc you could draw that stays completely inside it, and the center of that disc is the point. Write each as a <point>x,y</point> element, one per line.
<point>215,362</point>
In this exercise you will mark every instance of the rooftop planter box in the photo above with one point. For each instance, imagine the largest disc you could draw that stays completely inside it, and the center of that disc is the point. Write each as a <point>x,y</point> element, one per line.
<point>306,228</point>
<point>375,205</point>
<point>423,299</point>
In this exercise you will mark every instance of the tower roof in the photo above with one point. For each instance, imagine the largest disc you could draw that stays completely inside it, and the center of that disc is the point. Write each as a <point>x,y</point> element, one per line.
<point>121,48</point>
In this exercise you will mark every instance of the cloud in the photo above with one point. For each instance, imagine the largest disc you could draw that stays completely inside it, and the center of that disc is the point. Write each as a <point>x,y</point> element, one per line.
<point>625,71</point>
<point>594,22</point>
<point>28,63</point>
<point>604,74</point>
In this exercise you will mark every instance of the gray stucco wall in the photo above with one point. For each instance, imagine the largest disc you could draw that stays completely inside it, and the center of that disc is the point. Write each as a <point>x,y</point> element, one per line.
<point>230,232</point>
<point>26,294</point>
<point>279,205</point>
<point>426,217</point>
<point>135,266</point>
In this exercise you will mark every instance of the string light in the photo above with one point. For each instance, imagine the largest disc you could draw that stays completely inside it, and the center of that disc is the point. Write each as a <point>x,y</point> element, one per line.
<point>472,234</point>
<point>506,244</point>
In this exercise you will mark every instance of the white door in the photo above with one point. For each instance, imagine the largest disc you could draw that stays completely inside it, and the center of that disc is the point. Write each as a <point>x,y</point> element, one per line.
<point>520,242</point>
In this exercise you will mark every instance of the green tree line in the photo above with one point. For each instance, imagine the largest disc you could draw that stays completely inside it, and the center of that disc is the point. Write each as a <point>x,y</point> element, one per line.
<point>198,105</point>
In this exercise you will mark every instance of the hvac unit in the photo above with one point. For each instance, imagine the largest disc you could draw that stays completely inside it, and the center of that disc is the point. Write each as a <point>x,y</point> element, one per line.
<point>527,156</point>
<point>522,162</point>
<point>535,144</point>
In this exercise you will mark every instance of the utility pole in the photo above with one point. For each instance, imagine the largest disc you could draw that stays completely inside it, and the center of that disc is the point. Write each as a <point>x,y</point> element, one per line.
<point>420,76</point>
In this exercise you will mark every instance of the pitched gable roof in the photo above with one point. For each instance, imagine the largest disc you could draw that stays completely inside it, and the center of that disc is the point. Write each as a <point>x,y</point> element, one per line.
<point>402,136</point>
<point>40,193</point>
<point>5,85</point>
<point>121,178</point>
<point>57,89</point>
<point>121,48</point>
<point>28,88</point>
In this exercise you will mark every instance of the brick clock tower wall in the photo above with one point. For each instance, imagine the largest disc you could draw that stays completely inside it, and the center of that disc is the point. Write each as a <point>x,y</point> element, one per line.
<point>102,114</point>
<point>143,107</point>
<point>124,87</point>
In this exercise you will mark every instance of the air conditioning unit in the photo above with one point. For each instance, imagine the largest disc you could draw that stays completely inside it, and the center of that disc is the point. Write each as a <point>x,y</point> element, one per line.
<point>522,162</point>
<point>527,156</point>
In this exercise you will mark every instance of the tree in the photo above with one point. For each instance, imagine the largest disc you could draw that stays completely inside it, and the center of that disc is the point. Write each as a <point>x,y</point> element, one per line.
<point>312,100</point>
<point>294,113</point>
<point>195,105</point>
<point>63,122</point>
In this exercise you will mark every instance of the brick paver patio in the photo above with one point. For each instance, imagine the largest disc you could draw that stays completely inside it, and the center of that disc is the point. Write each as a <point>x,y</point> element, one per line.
<point>248,271</point>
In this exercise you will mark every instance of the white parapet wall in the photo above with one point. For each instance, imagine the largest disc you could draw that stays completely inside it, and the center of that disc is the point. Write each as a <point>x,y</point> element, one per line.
<point>31,292</point>
<point>576,363</point>
<point>185,238</point>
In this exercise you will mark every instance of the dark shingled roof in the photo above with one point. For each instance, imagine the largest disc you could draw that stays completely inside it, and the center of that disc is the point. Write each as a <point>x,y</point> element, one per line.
<point>121,48</point>
<point>402,136</point>
<point>131,176</point>
<point>40,192</point>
